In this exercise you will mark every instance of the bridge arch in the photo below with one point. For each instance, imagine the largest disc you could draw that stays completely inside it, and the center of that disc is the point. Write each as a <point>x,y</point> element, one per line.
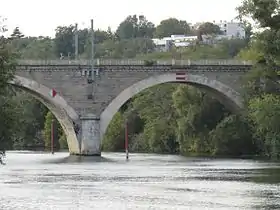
<point>225,94</point>
<point>64,113</point>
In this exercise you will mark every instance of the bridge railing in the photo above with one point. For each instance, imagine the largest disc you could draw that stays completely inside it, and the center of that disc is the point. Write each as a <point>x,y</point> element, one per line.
<point>134,62</point>
<point>203,62</point>
<point>54,62</point>
<point>119,62</point>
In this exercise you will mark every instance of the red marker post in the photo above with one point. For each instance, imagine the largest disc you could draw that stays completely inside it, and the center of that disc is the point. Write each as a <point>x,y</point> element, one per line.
<point>52,93</point>
<point>52,136</point>
<point>126,139</point>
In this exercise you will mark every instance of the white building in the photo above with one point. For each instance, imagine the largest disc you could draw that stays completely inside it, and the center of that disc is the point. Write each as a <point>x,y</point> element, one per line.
<point>163,45</point>
<point>166,43</point>
<point>232,29</point>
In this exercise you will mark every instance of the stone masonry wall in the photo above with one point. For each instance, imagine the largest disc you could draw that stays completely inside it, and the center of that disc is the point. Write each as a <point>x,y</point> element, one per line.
<point>72,84</point>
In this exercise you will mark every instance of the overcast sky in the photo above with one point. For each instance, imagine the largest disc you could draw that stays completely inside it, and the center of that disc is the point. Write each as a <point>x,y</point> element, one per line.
<point>37,17</point>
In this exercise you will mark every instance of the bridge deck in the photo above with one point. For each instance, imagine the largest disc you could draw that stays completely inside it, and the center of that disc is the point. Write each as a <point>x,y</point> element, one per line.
<point>137,68</point>
<point>131,62</point>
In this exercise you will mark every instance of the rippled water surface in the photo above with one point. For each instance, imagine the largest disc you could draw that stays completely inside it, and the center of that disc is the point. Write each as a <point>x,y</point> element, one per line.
<point>44,181</point>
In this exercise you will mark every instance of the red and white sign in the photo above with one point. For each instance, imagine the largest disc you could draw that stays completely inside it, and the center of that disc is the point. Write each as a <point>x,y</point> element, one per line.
<point>181,76</point>
<point>53,93</point>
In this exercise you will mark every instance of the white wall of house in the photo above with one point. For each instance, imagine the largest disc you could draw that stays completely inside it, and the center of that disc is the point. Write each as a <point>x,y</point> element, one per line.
<point>230,30</point>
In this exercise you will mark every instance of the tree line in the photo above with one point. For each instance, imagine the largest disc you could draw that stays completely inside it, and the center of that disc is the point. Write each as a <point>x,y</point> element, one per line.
<point>167,118</point>
<point>132,37</point>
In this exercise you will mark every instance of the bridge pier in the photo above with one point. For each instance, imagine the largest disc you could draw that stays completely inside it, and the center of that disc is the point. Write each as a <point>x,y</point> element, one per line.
<point>90,136</point>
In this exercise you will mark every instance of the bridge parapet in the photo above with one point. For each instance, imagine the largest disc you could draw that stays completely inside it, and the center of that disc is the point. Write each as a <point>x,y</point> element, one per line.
<point>133,62</point>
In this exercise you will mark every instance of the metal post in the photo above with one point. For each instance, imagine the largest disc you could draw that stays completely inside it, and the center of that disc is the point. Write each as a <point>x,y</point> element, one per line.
<point>76,42</point>
<point>126,139</point>
<point>92,51</point>
<point>52,136</point>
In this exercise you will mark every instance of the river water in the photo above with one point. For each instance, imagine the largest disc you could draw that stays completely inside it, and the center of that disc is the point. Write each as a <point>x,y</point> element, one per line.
<point>44,181</point>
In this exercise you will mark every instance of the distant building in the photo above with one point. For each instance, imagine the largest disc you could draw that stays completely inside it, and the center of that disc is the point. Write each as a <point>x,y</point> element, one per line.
<point>232,29</point>
<point>165,44</point>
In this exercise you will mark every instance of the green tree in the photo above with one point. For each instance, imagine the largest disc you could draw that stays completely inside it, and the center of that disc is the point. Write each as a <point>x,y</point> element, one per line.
<point>8,120</point>
<point>264,112</point>
<point>209,28</point>
<point>126,48</point>
<point>135,27</point>
<point>248,31</point>
<point>30,122</point>
<point>232,137</point>
<point>114,137</point>
<point>262,86</point>
<point>197,115</point>
<point>42,48</point>
<point>16,34</point>
<point>101,36</point>
<point>7,117</point>
<point>265,46</point>
<point>47,131</point>
<point>267,15</point>
<point>172,26</point>
<point>251,52</point>
<point>233,46</point>
<point>62,140</point>
<point>154,106</point>
<point>64,40</point>
<point>84,40</point>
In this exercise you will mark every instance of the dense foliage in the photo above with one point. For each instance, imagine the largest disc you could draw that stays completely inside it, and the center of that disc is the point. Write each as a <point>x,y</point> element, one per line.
<point>167,118</point>
<point>262,87</point>
<point>7,117</point>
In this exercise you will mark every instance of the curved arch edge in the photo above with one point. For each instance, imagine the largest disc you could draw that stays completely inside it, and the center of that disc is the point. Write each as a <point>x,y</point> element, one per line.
<point>44,91</point>
<point>107,115</point>
<point>64,113</point>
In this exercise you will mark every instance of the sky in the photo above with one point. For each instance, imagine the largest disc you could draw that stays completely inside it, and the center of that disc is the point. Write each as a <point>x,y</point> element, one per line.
<point>37,17</point>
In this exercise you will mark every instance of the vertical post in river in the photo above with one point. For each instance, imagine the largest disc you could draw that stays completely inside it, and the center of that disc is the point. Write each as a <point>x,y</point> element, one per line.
<point>52,136</point>
<point>126,139</point>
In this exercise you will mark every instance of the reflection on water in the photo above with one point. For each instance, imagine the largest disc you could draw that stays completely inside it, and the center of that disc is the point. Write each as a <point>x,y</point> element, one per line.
<point>44,181</point>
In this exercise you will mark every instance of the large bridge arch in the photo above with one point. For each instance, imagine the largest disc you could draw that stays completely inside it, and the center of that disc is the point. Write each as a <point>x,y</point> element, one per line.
<point>64,113</point>
<point>225,94</point>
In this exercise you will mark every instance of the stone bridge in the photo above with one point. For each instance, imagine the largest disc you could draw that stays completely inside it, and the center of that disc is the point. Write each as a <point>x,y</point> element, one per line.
<point>84,100</point>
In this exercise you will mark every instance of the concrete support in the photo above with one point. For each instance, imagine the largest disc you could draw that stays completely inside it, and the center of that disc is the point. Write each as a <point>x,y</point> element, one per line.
<point>90,136</point>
